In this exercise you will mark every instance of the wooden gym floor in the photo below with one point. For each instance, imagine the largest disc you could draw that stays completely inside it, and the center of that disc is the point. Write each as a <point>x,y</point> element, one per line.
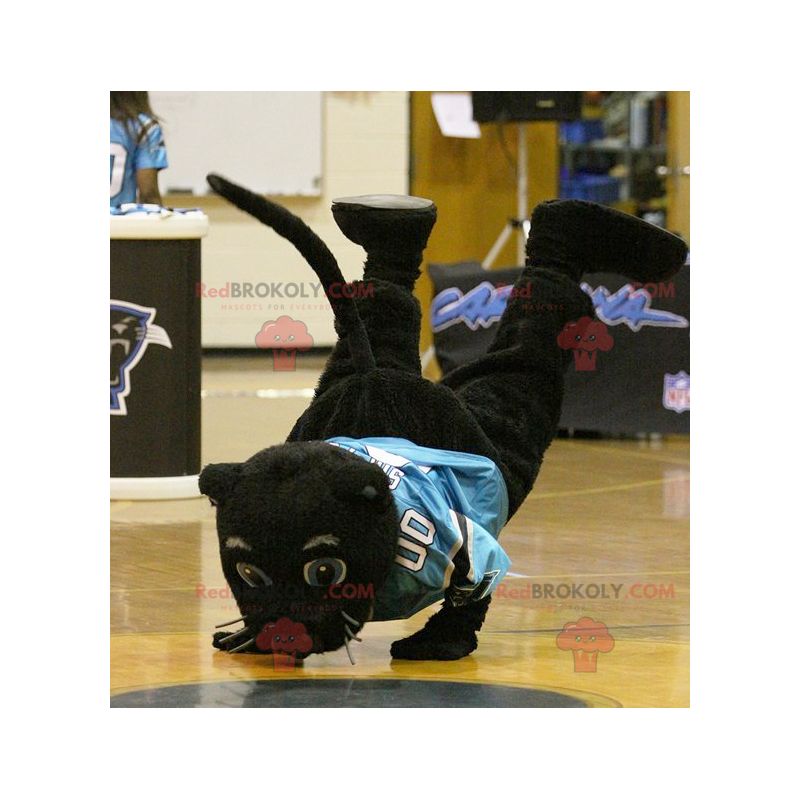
<point>604,535</point>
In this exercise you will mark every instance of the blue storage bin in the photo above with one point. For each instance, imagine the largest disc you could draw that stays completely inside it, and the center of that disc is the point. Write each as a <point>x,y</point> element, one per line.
<point>596,188</point>
<point>582,131</point>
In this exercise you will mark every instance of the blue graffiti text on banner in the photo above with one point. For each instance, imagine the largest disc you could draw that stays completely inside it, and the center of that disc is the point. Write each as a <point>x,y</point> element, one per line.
<point>132,330</point>
<point>480,307</point>
<point>631,306</point>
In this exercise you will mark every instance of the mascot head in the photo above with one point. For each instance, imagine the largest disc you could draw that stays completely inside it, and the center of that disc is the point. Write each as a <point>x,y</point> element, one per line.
<point>307,532</point>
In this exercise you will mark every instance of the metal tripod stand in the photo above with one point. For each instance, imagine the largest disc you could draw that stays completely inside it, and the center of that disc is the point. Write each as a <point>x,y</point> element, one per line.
<point>521,223</point>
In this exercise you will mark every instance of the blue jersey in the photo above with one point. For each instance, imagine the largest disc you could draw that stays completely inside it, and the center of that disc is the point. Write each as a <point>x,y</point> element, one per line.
<point>127,157</point>
<point>452,507</point>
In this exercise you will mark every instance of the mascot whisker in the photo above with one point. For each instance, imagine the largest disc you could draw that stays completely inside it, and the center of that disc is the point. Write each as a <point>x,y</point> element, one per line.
<point>390,486</point>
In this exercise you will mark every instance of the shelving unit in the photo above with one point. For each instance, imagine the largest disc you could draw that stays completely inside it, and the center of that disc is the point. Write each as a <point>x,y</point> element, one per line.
<point>617,153</point>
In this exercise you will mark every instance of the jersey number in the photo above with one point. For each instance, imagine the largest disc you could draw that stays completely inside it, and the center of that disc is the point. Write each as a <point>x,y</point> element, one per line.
<point>119,155</point>
<point>418,533</point>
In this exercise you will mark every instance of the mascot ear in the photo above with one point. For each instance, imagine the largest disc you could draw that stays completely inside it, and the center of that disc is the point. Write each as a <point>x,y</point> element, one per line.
<point>217,481</point>
<point>380,495</point>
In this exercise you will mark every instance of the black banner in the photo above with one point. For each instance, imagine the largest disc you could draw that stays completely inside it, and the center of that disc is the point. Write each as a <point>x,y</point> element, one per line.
<point>639,382</point>
<point>155,358</point>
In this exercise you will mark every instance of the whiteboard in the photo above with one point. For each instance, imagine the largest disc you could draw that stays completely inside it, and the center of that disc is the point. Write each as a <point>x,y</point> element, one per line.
<point>270,142</point>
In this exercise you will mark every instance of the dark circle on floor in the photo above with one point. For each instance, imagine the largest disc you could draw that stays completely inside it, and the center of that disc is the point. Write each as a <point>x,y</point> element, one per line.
<point>343,693</point>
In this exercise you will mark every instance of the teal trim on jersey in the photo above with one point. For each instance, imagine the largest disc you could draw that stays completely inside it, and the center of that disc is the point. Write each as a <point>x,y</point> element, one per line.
<point>452,507</point>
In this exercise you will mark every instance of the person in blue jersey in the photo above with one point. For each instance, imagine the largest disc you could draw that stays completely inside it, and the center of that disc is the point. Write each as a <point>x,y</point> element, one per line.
<point>138,152</point>
<point>391,491</point>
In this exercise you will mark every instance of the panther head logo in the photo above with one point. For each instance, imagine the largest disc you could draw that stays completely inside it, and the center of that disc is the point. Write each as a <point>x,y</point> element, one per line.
<point>131,330</point>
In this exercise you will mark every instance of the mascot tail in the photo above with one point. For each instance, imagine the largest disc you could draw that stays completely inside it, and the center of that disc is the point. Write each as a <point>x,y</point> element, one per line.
<point>314,251</point>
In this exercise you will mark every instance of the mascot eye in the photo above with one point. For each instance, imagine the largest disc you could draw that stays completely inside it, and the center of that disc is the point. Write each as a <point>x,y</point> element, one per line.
<point>577,337</point>
<point>277,337</point>
<point>592,338</point>
<point>252,575</point>
<point>291,337</point>
<point>324,571</point>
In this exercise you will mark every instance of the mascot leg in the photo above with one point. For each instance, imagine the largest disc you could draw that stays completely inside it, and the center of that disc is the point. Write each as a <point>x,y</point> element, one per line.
<point>515,390</point>
<point>394,231</point>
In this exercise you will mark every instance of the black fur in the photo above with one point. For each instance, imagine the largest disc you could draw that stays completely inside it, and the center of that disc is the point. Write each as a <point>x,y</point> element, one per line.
<point>504,406</point>
<point>277,501</point>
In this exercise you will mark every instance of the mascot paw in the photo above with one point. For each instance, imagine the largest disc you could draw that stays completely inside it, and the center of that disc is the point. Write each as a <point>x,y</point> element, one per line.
<point>425,645</point>
<point>447,636</point>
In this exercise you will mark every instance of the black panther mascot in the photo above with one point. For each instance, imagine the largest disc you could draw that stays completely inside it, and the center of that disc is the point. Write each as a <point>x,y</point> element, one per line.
<point>391,490</point>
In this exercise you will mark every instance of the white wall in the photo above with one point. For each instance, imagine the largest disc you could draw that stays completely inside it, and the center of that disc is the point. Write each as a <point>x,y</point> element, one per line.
<point>365,151</point>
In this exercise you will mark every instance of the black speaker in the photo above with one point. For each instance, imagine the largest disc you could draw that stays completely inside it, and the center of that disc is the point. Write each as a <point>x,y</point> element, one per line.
<point>526,106</point>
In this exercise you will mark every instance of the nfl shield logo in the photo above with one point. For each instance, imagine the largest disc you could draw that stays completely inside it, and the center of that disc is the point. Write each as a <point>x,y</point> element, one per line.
<point>676,392</point>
